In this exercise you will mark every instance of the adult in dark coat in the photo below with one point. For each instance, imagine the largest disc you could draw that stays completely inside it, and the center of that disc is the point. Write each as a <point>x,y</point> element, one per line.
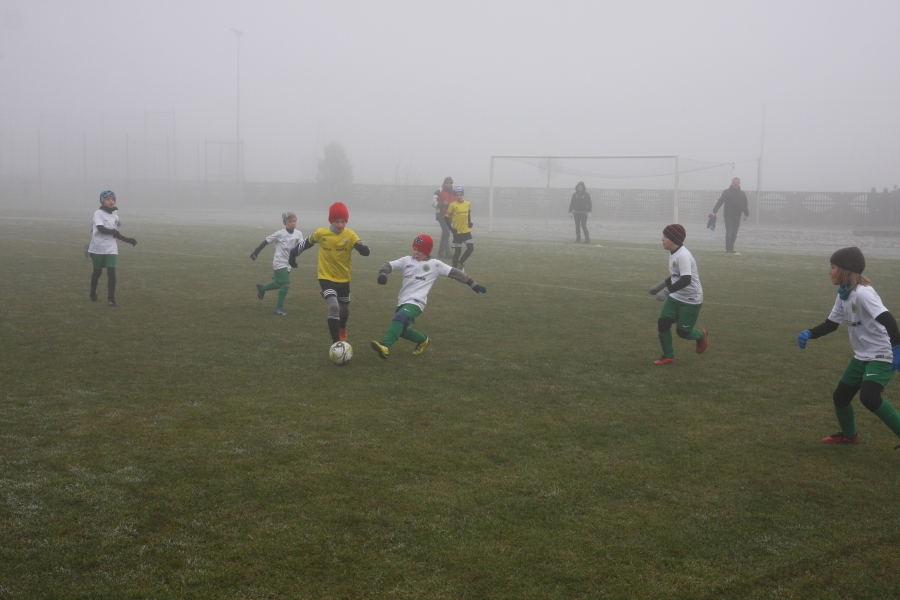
<point>735,202</point>
<point>580,206</point>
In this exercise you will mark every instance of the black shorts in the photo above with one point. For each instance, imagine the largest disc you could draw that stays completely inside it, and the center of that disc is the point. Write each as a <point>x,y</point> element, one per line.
<point>462,238</point>
<point>332,288</point>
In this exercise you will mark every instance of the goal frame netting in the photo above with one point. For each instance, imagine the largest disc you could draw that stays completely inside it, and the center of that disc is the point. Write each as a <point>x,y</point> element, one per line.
<point>675,175</point>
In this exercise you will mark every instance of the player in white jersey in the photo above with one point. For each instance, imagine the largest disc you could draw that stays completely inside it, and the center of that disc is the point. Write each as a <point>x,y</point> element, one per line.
<point>875,340</point>
<point>103,250</point>
<point>419,273</point>
<point>683,296</point>
<point>284,240</point>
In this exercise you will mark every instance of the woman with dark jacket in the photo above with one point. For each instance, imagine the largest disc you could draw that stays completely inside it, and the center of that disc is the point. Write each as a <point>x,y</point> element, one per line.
<point>580,206</point>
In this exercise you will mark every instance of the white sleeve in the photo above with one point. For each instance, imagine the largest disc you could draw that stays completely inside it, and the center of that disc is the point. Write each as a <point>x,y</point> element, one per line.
<point>274,237</point>
<point>442,268</point>
<point>684,265</point>
<point>837,313</point>
<point>397,265</point>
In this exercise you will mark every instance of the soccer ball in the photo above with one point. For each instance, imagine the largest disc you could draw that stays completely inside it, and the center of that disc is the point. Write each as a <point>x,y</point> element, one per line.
<point>340,353</point>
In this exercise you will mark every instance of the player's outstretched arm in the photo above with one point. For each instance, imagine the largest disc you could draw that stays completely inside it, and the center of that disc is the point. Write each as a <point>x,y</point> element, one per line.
<point>258,250</point>
<point>362,249</point>
<point>383,273</point>
<point>115,233</point>
<point>816,332</point>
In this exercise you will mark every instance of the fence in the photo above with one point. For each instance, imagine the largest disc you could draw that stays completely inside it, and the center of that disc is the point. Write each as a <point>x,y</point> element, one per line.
<point>840,210</point>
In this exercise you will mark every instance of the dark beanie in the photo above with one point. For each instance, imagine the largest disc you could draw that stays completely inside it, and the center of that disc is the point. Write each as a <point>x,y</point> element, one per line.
<point>849,259</point>
<point>676,233</point>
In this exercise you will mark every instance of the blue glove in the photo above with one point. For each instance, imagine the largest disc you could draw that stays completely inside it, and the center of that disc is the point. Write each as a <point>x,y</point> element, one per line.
<point>479,289</point>
<point>382,278</point>
<point>896,358</point>
<point>802,338</point>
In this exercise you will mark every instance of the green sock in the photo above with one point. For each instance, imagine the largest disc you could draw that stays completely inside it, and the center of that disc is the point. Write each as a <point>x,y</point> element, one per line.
<point>272,285</point>
<point>665,340</point>
<point>414,336</point>
<point>393,333</point>
<point>282,294</point>
<point>695,334</point>
<point>888,414</point>
<point>846,420</point>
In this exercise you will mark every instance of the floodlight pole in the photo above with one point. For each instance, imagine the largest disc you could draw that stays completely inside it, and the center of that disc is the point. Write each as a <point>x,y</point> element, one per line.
<point>491,200</point>
<point>238,138</point>
<point>675,194</point>
<point>762,135</point>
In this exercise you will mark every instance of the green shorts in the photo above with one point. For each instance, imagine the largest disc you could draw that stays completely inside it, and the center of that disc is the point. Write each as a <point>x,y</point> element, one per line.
<point>104,260</point>
<point>685,315</point>
<point>859,371</point>
<point>410,310</point>
<point>282,276</point>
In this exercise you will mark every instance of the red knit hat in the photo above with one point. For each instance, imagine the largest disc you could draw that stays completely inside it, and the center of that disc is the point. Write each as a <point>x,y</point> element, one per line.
<point>676,233</point>
<point>424,244</point>
<point>338,210</point>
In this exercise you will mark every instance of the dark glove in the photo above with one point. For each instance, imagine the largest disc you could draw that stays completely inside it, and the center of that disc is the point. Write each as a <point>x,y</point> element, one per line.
<point>803,337</point>
<point>252,257</point>
<point>293,262</point>
<point>479,289</point>
<point>131,241</point>
<point>382,278</point>
<point>471,224</point>
<point>657,288</point>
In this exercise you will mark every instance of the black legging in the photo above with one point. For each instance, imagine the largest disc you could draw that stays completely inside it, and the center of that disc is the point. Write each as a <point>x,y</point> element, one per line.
<point>581,223</point>
<point>110,280</point>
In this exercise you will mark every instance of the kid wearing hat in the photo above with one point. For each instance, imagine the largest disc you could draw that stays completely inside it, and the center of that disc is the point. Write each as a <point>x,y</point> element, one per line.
<point>683,296</point>
<point>419,273</point>
<point>875,340</point>
<point>335,266</point>
<point>103,250</point>
<point>285,239</point>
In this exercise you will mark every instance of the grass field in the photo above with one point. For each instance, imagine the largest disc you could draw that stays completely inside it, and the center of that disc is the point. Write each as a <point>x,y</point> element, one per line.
<point>193,445</point>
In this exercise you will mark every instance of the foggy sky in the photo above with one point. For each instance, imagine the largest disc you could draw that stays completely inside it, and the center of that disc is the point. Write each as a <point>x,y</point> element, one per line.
<point>427,89</point>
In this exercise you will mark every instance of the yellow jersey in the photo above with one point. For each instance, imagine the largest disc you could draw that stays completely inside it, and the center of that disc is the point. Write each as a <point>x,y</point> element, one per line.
<point>459,215</point>
<point>335,253</point>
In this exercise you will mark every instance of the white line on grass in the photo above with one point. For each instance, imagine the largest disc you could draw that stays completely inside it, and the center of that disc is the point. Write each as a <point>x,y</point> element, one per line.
<point>560,287</point>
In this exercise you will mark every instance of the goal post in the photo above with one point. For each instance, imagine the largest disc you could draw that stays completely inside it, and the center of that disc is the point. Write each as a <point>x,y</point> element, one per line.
<point>633,186</point>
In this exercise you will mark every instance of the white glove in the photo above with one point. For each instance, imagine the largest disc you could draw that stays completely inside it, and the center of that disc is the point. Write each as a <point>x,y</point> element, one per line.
<point>656,288</point>
<point>661,296</point>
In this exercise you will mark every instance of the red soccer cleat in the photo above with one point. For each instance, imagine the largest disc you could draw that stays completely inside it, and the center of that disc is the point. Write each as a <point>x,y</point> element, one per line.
<point>840,438</point>
<point>664,360</point>
<point>342,334</point>
<point>701,343</point>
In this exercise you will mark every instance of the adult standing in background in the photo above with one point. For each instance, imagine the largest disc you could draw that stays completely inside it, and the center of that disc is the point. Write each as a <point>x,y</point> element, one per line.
<point>735,202</point>
<point>441,200</point>
<point>580,206</point>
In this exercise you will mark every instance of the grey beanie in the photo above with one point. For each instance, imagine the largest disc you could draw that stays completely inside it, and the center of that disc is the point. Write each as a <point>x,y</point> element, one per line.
<point>287,215</point>
<point>849,259</point>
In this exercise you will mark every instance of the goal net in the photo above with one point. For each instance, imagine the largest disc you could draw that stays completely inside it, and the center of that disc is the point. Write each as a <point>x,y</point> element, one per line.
<point>626,188</point>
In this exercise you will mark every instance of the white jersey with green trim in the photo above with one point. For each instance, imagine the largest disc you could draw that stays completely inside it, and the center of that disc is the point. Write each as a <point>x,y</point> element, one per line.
<point>868,338</point>
<point>418,277</point>
<point>681,263</point>
<point>104,243</point>
<point>284,241</point>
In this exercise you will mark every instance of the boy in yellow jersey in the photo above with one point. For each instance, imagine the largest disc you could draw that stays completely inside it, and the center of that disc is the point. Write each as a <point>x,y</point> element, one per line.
<point>335,264</point>
<point>459,219</point>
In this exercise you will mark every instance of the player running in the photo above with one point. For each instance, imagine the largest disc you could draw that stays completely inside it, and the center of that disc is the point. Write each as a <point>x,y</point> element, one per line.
<point>285,239</point>
<point>875,340</point>
<point>459,219</point>
<point>683,296</point>
<point>420,271</point>
<point>335,265</point>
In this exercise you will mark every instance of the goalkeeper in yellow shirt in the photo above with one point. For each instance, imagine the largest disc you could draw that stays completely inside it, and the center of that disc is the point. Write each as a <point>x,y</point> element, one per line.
<point>336,243</point>
<point>459,219</point>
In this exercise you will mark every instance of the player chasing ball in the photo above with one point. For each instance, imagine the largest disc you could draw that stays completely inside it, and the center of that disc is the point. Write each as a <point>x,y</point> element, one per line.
<point>103,250</point>
<point>284,239</point>
<point>335,266</point>
<point>682,295</point>
<point>420,271</point>
<point>875,340</point>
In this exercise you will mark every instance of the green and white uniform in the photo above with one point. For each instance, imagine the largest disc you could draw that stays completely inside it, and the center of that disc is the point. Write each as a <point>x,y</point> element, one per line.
<point>682,306</point>
<point>284,241</point>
